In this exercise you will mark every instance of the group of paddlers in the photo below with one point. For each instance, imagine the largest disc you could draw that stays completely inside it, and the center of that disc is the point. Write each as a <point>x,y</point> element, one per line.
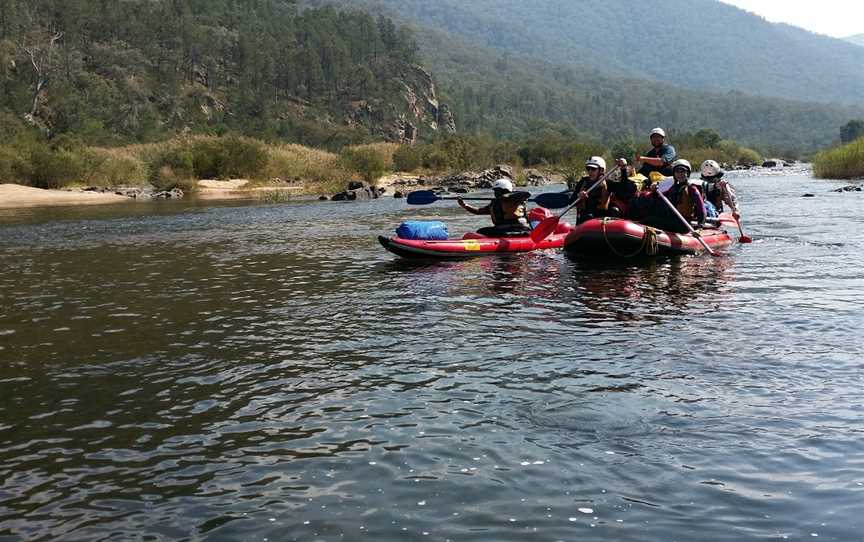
<point>622,192</point>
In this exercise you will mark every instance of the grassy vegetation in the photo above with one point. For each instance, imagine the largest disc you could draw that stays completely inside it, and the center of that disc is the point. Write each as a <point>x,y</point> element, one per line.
<point>274,196</point>
<point>845,162</point>
<point>708,145</point>
<point>179,162</point>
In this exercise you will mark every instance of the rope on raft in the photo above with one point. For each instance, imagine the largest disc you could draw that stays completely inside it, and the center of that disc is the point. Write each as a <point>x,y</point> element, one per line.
<point>649,243</point>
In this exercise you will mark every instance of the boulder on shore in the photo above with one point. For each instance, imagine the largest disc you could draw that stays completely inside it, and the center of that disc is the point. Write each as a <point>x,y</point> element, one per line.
<point>148,192</point>
<point>358,191</point>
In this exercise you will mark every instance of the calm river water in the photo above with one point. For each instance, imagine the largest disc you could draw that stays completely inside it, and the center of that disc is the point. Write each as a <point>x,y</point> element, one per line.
<point>267,372</point>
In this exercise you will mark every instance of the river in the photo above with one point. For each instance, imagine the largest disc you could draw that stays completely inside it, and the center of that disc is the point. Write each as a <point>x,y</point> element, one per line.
<point>247,371</point>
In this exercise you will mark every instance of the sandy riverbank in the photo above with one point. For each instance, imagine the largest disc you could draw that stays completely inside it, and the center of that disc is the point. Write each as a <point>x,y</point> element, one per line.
<point>237,189</point>
<point>15,195</point>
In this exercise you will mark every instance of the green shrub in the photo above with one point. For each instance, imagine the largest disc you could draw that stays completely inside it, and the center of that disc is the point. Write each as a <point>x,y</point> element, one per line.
<point>363,161</point>
<point>383,149</point>
<point>436,160</point>
<point>408,158</point>
<point>846,162</point>
<point>298,163</point>
<point>558,150</point>
<point>725,152</point>
<point>748,157</point>
<point>229,157</point>
<point>172,166</point>
<point>166,178</point>
<point>14,130</point>
<point>625,148</point>
<point>49,168</point>
<point>114,167</point>
<point>11,165</point>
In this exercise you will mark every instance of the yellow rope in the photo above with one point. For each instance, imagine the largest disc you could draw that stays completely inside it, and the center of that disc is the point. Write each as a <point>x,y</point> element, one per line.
<point>649,241</point>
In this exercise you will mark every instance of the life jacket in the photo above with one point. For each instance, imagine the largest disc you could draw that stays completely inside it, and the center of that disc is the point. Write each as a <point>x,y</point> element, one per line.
<point>597,199</point>
<point>506,213</point>
<point>713,194</point>
<point>684,201</point>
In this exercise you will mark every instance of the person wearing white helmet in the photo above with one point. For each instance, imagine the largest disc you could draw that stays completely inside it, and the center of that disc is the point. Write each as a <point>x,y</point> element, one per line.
<point>717,190</point>
<point>651,211</point>
<point>660,157</point>
<point>685,197</point>
<point>507,210</point>
<point>590,205</point>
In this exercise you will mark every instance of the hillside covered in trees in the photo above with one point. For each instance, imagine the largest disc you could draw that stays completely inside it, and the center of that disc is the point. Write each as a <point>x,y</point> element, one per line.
<point>698,44</point>
<point>117,72</point>
<point>112,73</point>
<point>501,89</point>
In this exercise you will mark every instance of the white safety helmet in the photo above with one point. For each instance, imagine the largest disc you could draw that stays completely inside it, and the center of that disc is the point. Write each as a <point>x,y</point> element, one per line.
<point>710,168</point>
<point>682,163</point>
<point>596,161</point>
<point>658,131</point>
<point>503,184</point>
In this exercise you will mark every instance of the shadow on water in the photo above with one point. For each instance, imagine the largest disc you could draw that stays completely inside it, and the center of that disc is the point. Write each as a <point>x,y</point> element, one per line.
<point>649,289</point>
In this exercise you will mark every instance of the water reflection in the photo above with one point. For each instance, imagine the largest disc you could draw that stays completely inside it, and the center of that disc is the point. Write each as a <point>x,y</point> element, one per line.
<point>651,289</point>
<point>226,374</point>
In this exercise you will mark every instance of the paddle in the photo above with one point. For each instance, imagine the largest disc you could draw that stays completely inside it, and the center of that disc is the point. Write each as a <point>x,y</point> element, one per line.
<point>549,200</point>
<point>547,227</point>
<point>744,238</point>
<point>684,221</point>
<point>729,196</point>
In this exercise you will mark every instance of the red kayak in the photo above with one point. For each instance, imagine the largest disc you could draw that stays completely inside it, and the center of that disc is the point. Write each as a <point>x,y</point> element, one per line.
<point>472,245</point>
<point>605,237</point>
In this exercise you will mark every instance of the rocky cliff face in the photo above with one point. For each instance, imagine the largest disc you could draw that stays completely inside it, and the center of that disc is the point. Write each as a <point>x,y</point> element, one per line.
<point>416,112</point>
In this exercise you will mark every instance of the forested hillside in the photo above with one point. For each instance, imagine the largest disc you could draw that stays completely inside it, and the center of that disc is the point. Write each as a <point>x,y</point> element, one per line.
<point>144,70</point>
<point>509,94</point>
<point>114,72</point>
<point>702,44</point>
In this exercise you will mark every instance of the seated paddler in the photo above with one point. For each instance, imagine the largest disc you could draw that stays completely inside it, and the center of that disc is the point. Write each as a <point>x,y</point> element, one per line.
<point>507,209</point>
<point>590,205</point>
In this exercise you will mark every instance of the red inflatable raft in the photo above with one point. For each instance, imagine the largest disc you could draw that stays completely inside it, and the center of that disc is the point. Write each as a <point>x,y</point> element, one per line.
<point>605,237</point>
<point>472,245</point>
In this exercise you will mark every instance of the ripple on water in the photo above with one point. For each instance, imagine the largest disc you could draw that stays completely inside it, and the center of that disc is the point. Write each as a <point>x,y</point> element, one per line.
<point>219,372</point>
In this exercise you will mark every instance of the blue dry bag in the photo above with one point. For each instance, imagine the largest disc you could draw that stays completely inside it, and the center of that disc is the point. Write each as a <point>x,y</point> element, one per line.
<point>421,230</point>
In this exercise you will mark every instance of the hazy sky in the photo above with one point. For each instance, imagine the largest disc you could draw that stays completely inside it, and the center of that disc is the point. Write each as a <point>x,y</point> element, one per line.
<point>838,18</point>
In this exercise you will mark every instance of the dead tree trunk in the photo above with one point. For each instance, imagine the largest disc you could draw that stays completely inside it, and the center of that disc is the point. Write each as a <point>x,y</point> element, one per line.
<point>41,56</point>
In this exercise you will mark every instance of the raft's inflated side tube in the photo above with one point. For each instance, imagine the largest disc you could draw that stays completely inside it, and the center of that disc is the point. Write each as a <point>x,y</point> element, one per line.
<point>619,238</point>
<point>472,245</point>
